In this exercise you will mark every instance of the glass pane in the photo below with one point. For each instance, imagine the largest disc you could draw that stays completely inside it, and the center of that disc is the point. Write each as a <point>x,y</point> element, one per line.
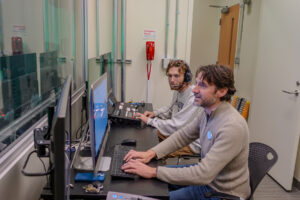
<point>60,35</point>
<point>37,51</point>
<point>97,67</point>
<point>94,70</point>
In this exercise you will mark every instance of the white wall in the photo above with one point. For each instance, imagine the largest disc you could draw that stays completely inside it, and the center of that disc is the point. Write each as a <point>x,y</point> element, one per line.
<point>205,34</point>
<point>92,44</point>
<point>145,14</point>
<point>244,72</point>
<point>105,26</point>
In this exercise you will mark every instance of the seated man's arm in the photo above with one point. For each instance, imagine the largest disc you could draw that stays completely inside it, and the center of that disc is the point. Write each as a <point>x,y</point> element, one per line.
<point>166,111</point>
<point>163,112</point>
<point>180,119</point>
<point>227,146</point>
<point>179,139</point>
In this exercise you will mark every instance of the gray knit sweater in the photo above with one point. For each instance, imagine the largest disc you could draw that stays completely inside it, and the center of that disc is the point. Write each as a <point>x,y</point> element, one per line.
<point>224,149</point>
<point>169,119</point>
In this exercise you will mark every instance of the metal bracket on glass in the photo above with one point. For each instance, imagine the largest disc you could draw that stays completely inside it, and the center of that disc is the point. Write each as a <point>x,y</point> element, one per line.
<point>99,60</point>
<point>62,59</point>
<point>122,61</point>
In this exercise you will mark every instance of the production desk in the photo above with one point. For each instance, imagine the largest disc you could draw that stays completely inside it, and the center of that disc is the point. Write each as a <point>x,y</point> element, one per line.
<point>146,138</point>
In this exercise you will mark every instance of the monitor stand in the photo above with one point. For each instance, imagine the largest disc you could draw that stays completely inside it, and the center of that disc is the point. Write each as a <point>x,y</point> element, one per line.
<point>86,163</point>
<point>104,163</point>
<point>82,162</point>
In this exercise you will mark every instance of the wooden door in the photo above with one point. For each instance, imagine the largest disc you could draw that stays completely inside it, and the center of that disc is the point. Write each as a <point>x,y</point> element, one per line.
<point>228,35</point>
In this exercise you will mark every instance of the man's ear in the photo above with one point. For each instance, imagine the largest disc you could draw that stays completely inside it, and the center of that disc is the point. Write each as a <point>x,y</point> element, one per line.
<point>221,92</point>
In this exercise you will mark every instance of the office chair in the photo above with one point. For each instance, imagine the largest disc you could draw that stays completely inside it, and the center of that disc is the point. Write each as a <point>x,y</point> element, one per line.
<point>261,160</point>
<point>186,159</point>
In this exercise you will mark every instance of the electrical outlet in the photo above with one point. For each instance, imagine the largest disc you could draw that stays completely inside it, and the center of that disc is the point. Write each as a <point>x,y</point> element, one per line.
<point>165,62</point>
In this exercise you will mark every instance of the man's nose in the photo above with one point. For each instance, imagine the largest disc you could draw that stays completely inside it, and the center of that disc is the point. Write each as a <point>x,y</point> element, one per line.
<point>172,79</point>
<point>196,89</point>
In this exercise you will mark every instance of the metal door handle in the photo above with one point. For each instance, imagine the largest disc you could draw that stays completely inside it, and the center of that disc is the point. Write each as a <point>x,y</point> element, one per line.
<point>296,92</point>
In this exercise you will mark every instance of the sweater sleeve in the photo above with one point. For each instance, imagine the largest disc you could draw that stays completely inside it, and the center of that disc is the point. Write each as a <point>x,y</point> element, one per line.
<point>179,119</point>
<point>226,146</point>
<point>179,139</point>
<point>165,112</point>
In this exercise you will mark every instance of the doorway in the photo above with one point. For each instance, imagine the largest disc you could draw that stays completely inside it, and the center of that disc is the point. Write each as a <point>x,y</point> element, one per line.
<point>228,35</point>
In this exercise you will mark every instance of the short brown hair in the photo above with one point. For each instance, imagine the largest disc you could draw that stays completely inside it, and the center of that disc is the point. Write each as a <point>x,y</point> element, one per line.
<point>219,75</point>
<point>183,67</point>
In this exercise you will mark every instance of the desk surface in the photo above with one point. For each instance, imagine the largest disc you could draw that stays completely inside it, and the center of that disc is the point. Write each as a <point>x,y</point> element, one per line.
<point>146,138</point>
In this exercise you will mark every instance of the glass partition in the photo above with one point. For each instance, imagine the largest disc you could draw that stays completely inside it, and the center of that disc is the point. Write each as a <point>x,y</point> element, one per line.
<point>97,67</point>
<point>104,43</point>
<point>39,47</point>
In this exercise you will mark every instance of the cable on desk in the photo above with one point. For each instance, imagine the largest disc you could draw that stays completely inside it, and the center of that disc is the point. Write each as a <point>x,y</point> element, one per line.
<point>34,174</point>
<point>81,125</point>
<point>47,177</point>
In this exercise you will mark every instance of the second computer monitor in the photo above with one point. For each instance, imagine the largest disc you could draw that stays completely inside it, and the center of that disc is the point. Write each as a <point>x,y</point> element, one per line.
<point>60,136</point>
<point>98,119</point>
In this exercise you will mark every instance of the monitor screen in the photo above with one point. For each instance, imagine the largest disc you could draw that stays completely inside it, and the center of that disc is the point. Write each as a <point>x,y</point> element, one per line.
<point>60,143</point>
<point>98,117</point>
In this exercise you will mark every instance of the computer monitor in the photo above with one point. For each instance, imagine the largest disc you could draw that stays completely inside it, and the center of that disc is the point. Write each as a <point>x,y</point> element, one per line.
<point>60,153</point>
<point>99,122</point>
<point>97,133</point>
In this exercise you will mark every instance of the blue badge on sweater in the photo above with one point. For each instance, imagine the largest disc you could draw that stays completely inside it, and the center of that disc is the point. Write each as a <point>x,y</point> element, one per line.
<point>209,135</point>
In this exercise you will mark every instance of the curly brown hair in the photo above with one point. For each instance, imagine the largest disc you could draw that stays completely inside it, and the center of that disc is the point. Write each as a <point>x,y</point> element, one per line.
<point>219,75</point>
<point>181,64</point>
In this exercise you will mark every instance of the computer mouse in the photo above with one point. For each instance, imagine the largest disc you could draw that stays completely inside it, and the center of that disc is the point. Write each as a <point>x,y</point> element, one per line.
<point>128,142</point>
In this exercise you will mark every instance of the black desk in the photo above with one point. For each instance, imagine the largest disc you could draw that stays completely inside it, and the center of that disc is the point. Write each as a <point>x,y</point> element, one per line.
<point>146,138</point>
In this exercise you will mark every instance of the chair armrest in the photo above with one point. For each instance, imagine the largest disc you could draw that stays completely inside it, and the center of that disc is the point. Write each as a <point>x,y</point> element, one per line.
<point>190,156</point>
<point>221,195</point>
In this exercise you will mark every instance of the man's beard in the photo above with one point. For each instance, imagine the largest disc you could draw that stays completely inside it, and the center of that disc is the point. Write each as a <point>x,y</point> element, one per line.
<point>204,103</point>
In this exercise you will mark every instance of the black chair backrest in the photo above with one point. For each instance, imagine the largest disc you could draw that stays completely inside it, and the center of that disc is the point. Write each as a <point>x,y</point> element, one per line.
<point>261,159</point>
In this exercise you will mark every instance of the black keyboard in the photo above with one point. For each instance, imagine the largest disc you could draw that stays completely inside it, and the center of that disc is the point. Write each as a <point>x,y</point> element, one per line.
<point>117,162</point>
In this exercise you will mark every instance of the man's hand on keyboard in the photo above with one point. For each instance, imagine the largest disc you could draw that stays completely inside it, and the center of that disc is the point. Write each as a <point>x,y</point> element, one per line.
<point>139,168</point>
<point>143,157</point>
